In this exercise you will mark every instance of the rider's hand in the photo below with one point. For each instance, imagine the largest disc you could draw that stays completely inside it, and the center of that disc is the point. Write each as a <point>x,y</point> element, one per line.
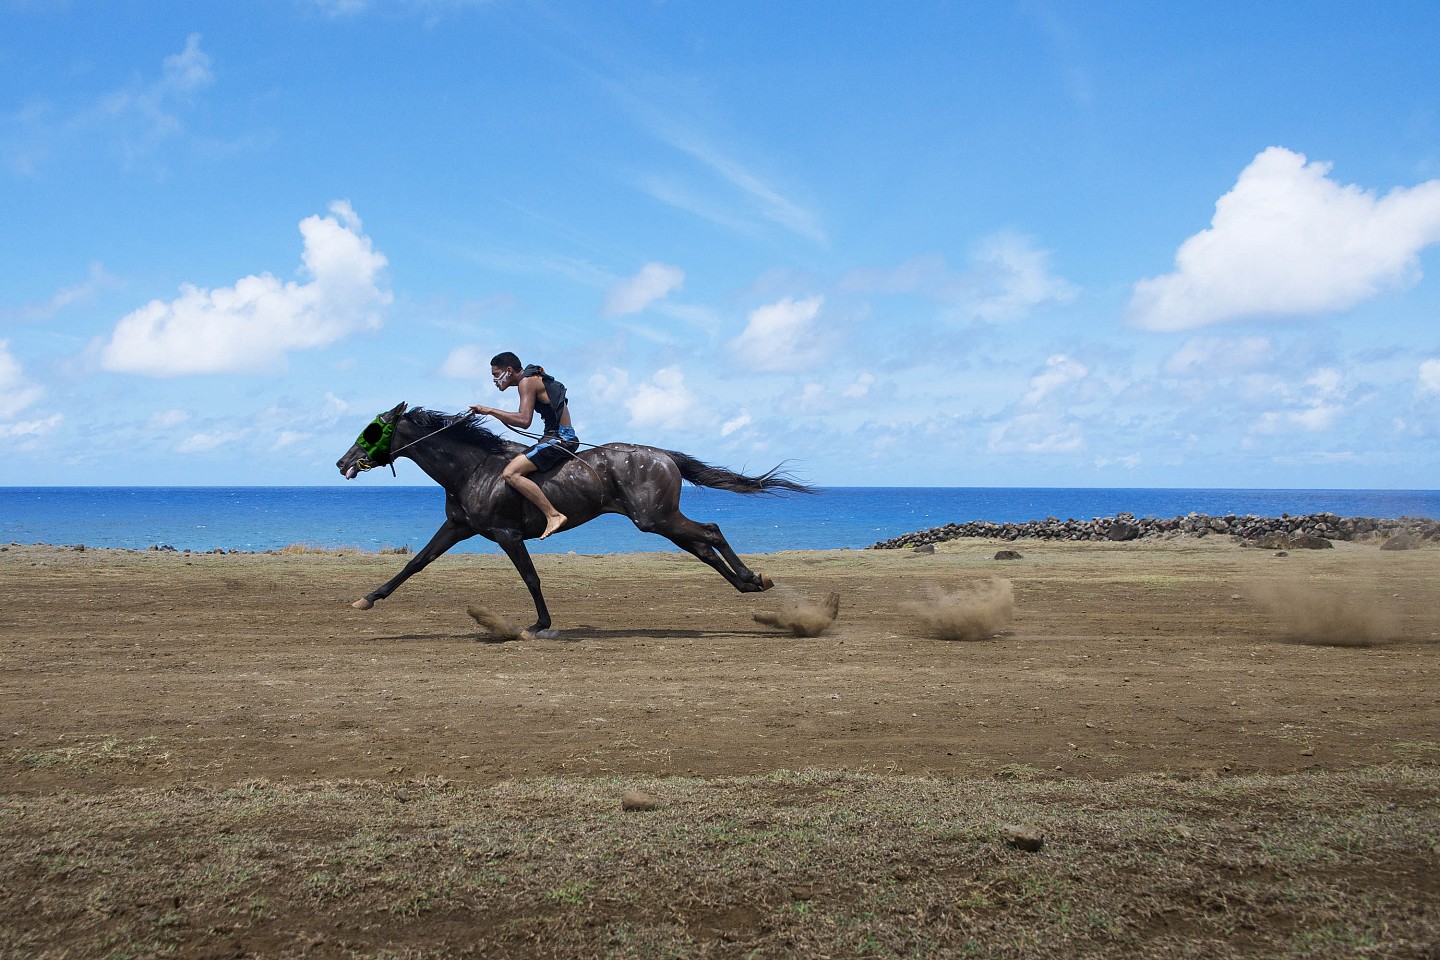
<point>476,408</point>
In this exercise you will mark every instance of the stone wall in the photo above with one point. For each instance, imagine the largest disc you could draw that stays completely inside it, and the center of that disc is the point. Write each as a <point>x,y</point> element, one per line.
<point>1282,532</point>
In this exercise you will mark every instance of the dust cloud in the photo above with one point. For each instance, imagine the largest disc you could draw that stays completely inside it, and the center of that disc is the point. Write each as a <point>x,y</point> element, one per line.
<point>801,616</point>
<point>972,611</point>
<point>1328,614</point>
<point>497,626</point>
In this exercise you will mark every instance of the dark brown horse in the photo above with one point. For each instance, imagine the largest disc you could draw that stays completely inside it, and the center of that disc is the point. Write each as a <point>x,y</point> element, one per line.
<point>466,459</point>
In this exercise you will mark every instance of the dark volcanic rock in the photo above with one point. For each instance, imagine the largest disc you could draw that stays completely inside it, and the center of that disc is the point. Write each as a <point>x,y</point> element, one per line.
<point>1401,541</point>
<point>1123,530</point>
<point>1286,532</point>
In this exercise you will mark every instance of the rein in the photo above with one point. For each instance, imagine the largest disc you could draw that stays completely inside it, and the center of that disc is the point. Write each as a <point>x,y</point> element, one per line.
<point>572,456</point>
<point>524,433</point>
<point>457,420</point>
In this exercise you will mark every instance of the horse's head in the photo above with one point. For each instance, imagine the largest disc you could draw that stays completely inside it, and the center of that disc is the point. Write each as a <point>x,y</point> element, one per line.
<point>372,448</point>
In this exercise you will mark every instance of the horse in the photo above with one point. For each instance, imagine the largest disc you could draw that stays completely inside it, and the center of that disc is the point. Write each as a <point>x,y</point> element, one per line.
<point>466,458</point>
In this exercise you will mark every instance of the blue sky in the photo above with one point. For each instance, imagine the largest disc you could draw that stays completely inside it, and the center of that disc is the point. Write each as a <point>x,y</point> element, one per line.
<point>930,243</point>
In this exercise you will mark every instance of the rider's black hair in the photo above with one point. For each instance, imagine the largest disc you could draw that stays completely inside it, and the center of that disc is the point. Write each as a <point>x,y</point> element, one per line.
<point>505,361</point>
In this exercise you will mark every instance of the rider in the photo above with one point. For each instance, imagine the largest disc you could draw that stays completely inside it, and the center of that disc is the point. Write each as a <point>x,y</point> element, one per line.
<point>543,394</point>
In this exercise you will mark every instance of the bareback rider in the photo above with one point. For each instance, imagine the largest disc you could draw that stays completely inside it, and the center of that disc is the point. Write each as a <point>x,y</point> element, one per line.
<point>543,394</point>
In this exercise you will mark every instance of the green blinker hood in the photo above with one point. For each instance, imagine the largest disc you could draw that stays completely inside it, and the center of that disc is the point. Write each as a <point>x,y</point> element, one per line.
<point>375,439</point>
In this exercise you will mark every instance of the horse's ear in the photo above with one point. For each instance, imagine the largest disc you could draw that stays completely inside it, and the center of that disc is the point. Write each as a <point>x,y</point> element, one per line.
<point>398,409</point>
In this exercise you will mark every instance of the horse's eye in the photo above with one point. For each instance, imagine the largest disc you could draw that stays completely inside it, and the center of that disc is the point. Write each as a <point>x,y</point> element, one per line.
<point>373,433</point>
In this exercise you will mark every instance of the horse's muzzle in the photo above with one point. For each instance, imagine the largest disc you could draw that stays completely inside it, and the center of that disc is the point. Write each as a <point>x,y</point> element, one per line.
<point>355,467</point>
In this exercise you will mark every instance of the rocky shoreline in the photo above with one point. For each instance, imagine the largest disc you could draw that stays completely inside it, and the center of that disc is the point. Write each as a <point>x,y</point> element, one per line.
<point>1285,532</point>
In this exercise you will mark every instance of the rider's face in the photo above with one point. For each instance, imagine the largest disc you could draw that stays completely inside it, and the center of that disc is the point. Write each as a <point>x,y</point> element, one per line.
<point>503,377</point>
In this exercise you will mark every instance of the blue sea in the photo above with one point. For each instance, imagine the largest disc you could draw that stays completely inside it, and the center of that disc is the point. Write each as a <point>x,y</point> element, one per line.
<point>374,518</point>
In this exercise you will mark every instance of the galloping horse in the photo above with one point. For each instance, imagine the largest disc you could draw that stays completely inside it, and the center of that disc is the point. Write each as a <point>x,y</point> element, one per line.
<point>466,459</point>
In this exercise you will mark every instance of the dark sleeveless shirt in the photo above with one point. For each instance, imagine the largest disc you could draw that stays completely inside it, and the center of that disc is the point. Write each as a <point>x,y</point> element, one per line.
<point>555,390</point>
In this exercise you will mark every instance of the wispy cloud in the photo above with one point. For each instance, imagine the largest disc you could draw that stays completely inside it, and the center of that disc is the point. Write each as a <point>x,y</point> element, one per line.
<point>1006,278</point>
<point>655,281</point>
<point>1314,407</point>
<point>18,393</point>
<point>431,10</point>
<point>148,114</point>
<point>1044,420</point>
<point>1288,240</point>
<point>136,118</point>
<point>732,195</point>
<point>66,297</point>
<point>763,199</point>
<point>16,390</point>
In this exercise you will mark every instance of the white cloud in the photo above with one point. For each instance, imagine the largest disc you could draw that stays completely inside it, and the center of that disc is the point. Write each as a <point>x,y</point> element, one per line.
<point>737,423</point>
<point>655,281</point>
<point>664,402</point>
<point>468,362</point>
<point>31,428</point>
<point>1429,377</point>
<point>16,390</point>
<point>1059,371</point>
<point>1043,423</point>
<point>1318,407</point>
<point>334,408</point>
<point>289,438</point>
<point>1036,433</point>
<point>252,325</point>
<point>206,442</point>
<point>17,394</point>
<point>166,419</point>
<point>1011,277</point>
<point>779,335</point>
<point>861,386</point>
<point>1289,240</point>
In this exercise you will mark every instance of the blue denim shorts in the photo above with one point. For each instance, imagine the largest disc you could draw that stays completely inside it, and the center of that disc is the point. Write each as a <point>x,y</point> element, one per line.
<point>553,449</point>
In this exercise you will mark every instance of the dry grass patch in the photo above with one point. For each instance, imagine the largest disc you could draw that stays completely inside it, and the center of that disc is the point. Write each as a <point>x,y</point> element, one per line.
<point>791,864</point>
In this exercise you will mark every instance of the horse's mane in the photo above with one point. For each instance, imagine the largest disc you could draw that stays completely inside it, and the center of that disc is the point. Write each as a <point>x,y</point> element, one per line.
<point>470,431</point>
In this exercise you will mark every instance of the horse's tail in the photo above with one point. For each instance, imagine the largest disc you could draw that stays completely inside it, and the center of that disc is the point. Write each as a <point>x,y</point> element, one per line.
<point>704,475</point>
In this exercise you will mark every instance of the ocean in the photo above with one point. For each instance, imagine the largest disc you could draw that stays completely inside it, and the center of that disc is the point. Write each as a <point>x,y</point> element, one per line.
<point>379,517</point>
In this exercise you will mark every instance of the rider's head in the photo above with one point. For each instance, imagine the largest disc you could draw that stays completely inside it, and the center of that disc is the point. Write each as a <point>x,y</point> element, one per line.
<point>505,369</point>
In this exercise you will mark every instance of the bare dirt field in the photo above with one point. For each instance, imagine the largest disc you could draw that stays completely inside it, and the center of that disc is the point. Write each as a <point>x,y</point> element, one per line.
<point>1229,752</point>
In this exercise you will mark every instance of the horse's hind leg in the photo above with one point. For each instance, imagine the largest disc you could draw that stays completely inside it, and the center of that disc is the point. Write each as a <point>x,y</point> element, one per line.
<point>705,541</point>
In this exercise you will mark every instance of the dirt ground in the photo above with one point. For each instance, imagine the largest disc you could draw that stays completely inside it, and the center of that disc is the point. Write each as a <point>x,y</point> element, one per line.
<point>147,669</point>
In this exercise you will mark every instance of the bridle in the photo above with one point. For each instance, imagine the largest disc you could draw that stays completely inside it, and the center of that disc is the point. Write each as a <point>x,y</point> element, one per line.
<point>375,440</point>
<point>377,436</point>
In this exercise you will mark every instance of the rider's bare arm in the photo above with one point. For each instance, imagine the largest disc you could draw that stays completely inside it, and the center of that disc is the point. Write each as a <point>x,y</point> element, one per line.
<point>520,419</point>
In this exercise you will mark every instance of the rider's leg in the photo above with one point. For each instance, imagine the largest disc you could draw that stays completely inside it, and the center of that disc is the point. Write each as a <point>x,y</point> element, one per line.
<point>516,475</point>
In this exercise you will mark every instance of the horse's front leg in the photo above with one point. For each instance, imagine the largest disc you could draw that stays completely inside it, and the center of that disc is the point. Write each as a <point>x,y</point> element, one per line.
<point>514,546</point>
<point>445,538</point>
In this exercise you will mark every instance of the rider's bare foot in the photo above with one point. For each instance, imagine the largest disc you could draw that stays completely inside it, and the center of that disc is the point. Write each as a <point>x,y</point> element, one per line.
<point>553,524</point>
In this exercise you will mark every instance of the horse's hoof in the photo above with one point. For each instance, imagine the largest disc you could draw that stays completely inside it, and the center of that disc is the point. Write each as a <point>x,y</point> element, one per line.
<point>363,604</point>
<point>765,582</point>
